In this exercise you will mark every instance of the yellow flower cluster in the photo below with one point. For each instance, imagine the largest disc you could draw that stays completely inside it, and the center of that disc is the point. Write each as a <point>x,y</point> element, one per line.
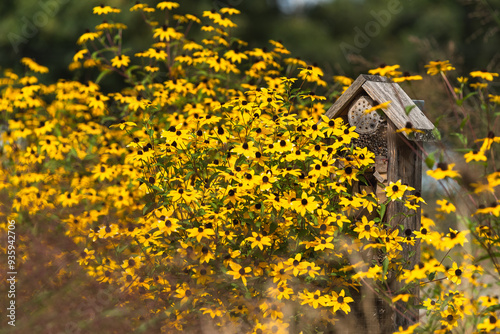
<point>213,190</point>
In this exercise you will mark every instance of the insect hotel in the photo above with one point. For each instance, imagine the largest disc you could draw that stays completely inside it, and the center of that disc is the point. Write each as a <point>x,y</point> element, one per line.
<point>395,133</point>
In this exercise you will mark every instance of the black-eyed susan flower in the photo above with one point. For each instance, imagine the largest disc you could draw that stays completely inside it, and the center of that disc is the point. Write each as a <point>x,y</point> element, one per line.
<point>68,198</point>
<point>258,240</point>
<point>488,141</point>
<point>454,274</point>
<point>108,231</point>
<point>305,204</point>
<point>183,292</point>
<point>314,299</point>
<point>282,291</point>
<point>483,75</point>
<point>340,302</point>
<point>322,243</point>
<point>475,155</point>
<point>167,34</point>
<point>436,67</point>
<point>494,98</point>
<point>442,171</point>
<point>455,237</point>
<point>89,36</point>
<point>407,77</point>
<point>167,5</point>
<point>479,85</point>
<point>396,190</point>
<point>239,272</point>
<point>445,206</point>
<point>380,106</point>
<point>489,324</point>
<point>386,70</point>
<point>431,304</point>
<point>33,66</point>
<point>167,225</point>
<point>295,265</point>
<point>120,60</point>
<point>103,10</point>
<point>365,229</point>
<point>279,274</point>
<point>343,80</point>
<point>493,209</point>
<point>200,232</point>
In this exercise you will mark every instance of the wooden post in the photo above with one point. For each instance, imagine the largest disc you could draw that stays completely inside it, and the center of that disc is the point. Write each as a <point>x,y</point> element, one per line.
<point>403,158</point>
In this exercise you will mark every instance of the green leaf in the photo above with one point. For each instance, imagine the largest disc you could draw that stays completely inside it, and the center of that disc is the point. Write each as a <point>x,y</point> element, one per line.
<point>464,121</point>
<point>492,308</point>
<point>436,133</point>
<point>157,188</point>
<point>385,267</point>
<point>487,257</point>
<point>382,210</point>
<point>102,75</point>
<point>408,109</point>
<point>461,101</point>
<point>461,137</point>
<point>430,160</point>
<point>146,207</point>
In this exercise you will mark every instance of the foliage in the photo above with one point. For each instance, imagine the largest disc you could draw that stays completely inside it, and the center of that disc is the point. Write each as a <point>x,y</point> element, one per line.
<point>213,192</point>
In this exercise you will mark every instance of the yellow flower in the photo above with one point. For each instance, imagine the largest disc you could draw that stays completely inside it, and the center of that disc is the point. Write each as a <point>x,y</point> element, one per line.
<point>494,98</point>
<point>436,67</point>
<point>312,299</point>
<point>200,232</point>
<point>237,271</point>
<point>295,265</point>
<point>442,171</point>
<point>32,65</point>
<point>168,5</point>
<point>340,301</point>
<point>409,129</point>
<point>88,36</point>
<point>79,54</point>
<point>475,156</point>
<point>183,293</point>
<point>396,190</point>
<point>305,204</point>
<point>377,107</point>
<point>108,231</point>
<point>407,77</point>
<point>483,75</point>
<point>488,141</point>
<point>167,33</point>
<point>445,206</point>
<point>454,274</point>
<point>122,125</point>
<point>489,324</point>
<point>343,80</point>
<point>386,70</point>
<point>101,9</point>
<point>258,240</point>
<point>365,229</point>
<point>229,11</point>
<point>120,61</point>
<point>479,85</point>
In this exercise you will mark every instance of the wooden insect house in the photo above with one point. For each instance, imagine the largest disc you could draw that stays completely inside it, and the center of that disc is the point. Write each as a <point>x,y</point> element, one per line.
<point>395,133</point>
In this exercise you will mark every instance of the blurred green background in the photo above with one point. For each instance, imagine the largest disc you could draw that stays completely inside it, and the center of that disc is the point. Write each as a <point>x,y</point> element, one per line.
<point>342,36</point>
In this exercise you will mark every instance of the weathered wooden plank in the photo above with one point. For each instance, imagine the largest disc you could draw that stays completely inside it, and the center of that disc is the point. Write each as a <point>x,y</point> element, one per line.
<point>354,89</point>
<point>345,99</point>
<point>405,164</point>
<point>382,92</point>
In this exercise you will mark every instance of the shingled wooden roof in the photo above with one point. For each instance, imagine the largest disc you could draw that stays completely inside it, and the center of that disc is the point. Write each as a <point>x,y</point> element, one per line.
<point>382,89</point>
